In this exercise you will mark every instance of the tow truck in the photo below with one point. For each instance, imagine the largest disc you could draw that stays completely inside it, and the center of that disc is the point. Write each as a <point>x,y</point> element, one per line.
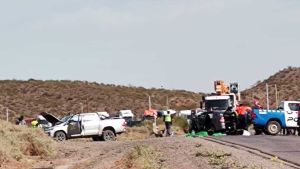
<point>272,121</point>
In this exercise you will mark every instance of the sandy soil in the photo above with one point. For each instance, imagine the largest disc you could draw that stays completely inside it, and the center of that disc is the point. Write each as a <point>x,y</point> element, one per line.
<point>177,152</point>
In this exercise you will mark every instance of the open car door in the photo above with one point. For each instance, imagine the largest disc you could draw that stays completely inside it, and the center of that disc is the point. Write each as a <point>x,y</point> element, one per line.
<point>74,126</point>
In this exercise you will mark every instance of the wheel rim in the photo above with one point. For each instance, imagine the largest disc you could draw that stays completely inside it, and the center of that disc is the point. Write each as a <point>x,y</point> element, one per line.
<point>109,136</point>
<point>60,137</point>
<point>273,128</point>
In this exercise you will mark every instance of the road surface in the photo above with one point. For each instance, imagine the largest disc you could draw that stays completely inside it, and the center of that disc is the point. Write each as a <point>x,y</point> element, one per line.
<point>284,147</point>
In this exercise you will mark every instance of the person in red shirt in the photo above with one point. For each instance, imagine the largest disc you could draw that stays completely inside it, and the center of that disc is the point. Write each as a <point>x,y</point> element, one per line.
<point>256,104</point>
<point>243,111</point>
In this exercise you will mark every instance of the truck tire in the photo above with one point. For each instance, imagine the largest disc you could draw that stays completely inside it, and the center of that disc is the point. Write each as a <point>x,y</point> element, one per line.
<point>108,135</point>
<point>60,136</point>
<point>273,127</point>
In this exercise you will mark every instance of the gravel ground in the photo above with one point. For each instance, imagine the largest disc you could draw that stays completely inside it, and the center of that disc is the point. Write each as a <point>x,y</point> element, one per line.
<point>176,152</point>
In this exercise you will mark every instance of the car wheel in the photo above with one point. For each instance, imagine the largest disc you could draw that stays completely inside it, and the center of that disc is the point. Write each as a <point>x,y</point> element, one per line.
<point>273,127</point>
<point>60,136</point>
<point>108,135</point>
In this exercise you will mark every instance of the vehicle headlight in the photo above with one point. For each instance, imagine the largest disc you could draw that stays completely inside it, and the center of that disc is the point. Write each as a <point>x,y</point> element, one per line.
<point>49,128</point>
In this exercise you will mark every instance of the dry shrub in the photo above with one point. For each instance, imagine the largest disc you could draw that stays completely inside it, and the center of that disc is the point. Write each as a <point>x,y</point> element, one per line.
<point>141,157</point>
<point>140,132</point>
<point>18,142</point>
<point>145,129</point>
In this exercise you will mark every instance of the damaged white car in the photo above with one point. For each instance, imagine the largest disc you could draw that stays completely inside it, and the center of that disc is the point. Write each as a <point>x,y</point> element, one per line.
<point>94,125</point>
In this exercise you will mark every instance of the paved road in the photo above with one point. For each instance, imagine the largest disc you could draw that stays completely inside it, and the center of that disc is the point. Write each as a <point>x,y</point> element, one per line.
<point>285,147</point>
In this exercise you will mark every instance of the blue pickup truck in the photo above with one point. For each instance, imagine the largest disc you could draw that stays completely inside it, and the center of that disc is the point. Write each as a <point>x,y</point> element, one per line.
<point>272,121</point>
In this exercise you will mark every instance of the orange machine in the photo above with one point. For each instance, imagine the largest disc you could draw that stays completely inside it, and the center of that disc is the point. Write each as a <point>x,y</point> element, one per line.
<point>221,88</point>
<point>150,113</point>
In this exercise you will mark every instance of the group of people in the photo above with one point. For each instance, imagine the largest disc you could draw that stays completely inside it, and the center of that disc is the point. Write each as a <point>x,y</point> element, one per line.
<point>21,121</point>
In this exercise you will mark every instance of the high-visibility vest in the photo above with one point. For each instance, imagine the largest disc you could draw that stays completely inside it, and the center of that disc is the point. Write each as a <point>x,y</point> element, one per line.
<point>168,118</point>
<point>34,123</point>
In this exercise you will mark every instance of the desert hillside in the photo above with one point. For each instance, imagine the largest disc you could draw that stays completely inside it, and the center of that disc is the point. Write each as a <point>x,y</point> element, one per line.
<point>62,97</point>
<point>288,86</point>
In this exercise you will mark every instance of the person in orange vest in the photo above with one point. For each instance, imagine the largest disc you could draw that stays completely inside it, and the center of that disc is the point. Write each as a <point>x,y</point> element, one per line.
<point>243,112</point>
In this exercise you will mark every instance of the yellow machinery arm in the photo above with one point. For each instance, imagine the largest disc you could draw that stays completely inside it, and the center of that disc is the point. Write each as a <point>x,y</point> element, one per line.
<point>221,88</point>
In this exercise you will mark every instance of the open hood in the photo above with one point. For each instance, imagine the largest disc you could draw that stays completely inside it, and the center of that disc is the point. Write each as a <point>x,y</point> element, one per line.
<point>50,118</point>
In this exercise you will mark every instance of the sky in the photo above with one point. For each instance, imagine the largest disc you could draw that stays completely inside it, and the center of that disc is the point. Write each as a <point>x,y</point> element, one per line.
<point>173,44</point>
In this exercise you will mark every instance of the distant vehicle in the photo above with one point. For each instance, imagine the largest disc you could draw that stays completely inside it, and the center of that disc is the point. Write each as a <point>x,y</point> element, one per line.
<point>92,125</point>
<point>188,113</point>
<point>150,114</point>
<point>170,110</point>
<point>185,113</point>
<point>272,121</point>
<point>127,115</point>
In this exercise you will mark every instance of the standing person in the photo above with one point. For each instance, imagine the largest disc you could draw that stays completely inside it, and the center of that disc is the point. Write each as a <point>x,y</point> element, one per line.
<point>256,104</point>
<point>243,111</point>
<point>192,121</point>
<point>168,123</point>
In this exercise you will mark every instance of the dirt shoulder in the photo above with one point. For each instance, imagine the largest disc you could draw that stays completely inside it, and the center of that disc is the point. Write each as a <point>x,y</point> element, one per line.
<point>175,152</point>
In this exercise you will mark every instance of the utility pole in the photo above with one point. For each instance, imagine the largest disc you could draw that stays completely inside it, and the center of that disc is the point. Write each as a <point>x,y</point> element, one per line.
<point>149,101</point>
<point>81,106</point>
<point>167,102</point>
<point>6,114</point>
<point>276,95</point>
<point>267,90</point>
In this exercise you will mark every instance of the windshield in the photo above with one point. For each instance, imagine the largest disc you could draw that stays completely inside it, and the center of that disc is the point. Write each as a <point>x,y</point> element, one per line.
<point>216,105</point>
<point>64,119</point>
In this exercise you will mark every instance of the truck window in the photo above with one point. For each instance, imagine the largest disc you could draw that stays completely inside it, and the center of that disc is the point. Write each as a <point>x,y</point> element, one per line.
<point>294,106</point>
<point>281,106</point>
<point>216,104</point>
<point>75,118</point>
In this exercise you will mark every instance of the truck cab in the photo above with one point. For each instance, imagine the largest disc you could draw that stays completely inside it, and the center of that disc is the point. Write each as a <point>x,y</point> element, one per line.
<point>272,121</point>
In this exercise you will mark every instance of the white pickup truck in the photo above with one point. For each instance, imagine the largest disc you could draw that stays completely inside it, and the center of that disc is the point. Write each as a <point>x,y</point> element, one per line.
<point>93,125</point>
